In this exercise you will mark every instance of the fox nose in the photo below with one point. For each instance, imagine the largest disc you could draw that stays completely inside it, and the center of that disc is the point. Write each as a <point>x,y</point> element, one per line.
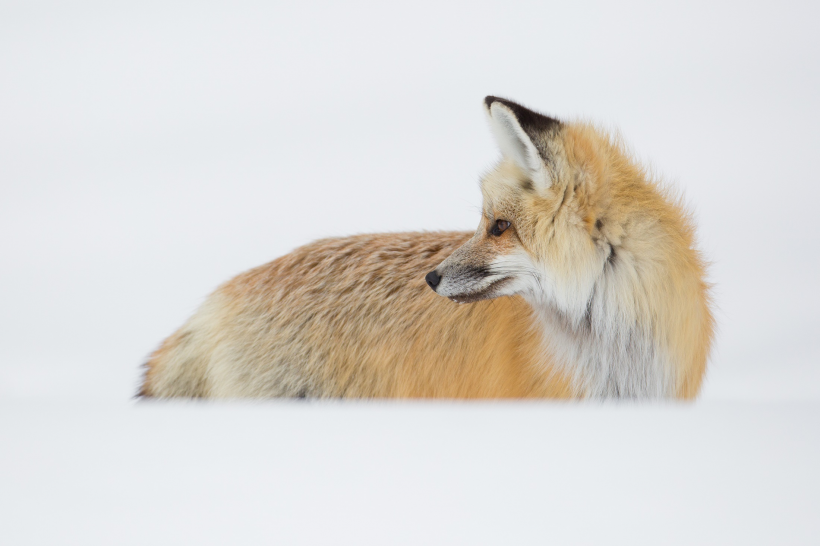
<point>433,279</point>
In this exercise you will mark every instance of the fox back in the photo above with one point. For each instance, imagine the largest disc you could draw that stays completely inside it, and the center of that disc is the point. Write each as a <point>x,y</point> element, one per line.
<point>582,280</point>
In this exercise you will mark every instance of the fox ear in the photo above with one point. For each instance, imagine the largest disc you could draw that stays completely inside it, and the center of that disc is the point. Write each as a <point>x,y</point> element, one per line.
<point>521,134</point>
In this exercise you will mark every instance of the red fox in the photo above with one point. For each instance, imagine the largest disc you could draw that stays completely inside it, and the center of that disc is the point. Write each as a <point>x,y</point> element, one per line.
<point>581,281</point>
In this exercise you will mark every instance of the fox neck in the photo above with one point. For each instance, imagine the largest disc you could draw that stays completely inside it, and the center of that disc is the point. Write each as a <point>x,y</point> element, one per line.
<point>607,354</point>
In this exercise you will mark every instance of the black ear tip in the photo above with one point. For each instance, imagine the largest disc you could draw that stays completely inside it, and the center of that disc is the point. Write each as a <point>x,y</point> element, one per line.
<point>525,116</point>
<point>491,99</point>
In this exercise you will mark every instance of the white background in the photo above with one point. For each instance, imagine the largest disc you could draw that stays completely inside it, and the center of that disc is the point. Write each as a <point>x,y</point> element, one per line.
<point>151,150</point>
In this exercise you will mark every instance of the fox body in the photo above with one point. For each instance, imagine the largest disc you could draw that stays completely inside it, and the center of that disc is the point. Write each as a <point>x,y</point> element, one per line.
<point>581,280</point>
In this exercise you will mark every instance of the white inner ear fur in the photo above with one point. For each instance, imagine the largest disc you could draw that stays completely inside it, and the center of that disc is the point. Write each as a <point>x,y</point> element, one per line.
<point>516,145</point>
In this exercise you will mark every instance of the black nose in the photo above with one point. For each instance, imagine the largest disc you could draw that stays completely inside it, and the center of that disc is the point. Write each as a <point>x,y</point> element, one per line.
<point>432,279</point>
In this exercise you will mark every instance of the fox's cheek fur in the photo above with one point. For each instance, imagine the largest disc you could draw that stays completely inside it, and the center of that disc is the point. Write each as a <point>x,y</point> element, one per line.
<point>564,278</point>
<point>568,274</point>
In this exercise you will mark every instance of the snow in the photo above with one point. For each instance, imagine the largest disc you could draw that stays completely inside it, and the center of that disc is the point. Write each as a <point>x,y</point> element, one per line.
<point>150,151</point>
<point>410,473</point>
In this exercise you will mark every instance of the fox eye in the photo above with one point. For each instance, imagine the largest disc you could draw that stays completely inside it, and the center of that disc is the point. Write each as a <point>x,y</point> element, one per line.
<point>499,227</point>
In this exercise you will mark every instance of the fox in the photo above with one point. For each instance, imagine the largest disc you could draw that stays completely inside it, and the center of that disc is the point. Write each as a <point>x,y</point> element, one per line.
<point>582,281</point>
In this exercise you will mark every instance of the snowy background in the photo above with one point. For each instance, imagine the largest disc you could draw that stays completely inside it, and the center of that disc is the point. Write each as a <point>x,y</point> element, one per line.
<point>151,150</point>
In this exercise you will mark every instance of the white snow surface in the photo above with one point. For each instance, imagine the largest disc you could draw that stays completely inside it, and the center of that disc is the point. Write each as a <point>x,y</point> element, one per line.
<point>151,150</point>
<point>410,473</point>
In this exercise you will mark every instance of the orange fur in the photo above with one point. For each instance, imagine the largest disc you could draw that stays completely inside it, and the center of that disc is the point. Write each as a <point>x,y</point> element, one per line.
<point>353,317</point>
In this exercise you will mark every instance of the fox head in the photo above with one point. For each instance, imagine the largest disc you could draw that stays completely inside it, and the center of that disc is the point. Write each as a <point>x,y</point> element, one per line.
<point>541,235</point>
<point>604,254</point>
